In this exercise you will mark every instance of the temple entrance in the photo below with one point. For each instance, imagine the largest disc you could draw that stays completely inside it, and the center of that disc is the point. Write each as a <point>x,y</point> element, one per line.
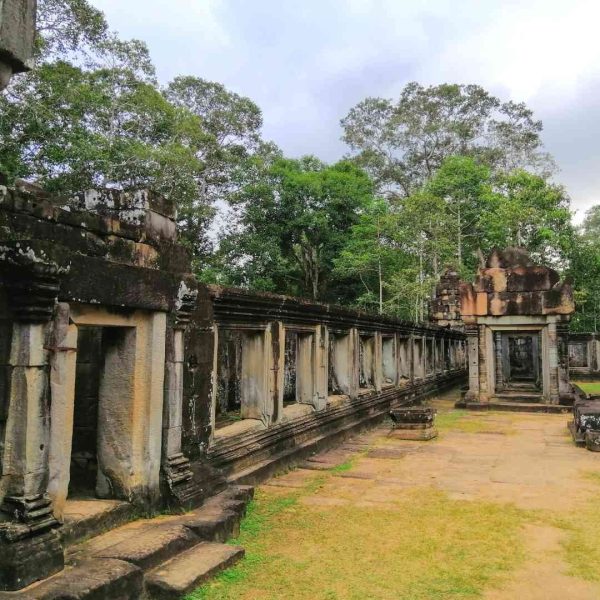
<point>103,391</point>
<point>84,454</point>
<point>521,365</point>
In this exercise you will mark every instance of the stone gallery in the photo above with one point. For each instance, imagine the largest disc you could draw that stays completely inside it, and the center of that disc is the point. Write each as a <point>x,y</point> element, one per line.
<point>124,379</point>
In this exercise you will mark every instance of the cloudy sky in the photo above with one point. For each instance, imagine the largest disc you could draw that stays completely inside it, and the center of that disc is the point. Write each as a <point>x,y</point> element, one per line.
<point>307,62</point>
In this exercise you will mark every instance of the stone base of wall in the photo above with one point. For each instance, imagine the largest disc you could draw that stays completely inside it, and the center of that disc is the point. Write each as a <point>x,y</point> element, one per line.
<point>254,457</point>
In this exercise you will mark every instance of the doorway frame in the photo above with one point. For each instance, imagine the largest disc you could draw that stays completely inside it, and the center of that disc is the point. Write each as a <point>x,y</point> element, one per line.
<point>517,324</point>
<point>138,414</point>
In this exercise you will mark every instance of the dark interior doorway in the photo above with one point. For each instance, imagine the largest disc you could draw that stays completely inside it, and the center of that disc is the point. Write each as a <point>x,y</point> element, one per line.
<point>84,453</point>
<point>521,361</point>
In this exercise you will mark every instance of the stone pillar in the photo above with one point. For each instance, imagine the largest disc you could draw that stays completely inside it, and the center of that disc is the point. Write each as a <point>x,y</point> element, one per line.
<point>321,367</point>
<point>377,361</point>
<point>553,363</point>
<point>472,332</point>
<point>29,548</point>
<point>498,359</point>
<point>565,391</point>
<point>63,365</point>
<point>177,476</point>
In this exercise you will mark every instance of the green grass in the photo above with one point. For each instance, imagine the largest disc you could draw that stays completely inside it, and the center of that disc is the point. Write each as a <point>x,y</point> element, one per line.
<point>468,422</point>
<point>589,387</point>
<point>582,550</point>
<point>424,546</point>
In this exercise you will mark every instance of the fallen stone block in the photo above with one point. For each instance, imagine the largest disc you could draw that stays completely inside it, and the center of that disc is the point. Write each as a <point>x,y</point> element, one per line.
<point>413,414</point>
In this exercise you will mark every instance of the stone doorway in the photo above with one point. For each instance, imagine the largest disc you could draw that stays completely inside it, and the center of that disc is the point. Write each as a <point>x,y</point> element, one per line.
<point>107,382</point>
<point>521,364</point>
<point>84,445</point>
<point>103,385</point>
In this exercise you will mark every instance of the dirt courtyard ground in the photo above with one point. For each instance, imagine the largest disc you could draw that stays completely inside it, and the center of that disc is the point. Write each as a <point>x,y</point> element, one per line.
<point>501,506</point>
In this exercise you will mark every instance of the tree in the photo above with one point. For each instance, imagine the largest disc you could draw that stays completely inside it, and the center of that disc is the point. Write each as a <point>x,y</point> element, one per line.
<point>402,144</point>
<point>464,187</point>
<point>368,254</point>
<point>291,225</point>
<point>526,210</point>
<point>229,149</point>
<point>68,26</point>
<point>584,268</point>
<point>97,117</point>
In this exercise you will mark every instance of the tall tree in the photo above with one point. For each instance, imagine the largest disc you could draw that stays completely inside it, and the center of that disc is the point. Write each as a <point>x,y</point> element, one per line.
<point>368,254</point>
<point>401,144</point>
<point>292,224</point>
<point>584,268</point>
<point>230,148</point>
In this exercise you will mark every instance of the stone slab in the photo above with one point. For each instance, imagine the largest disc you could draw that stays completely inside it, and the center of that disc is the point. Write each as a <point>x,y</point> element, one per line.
<point>189,569</point>
<point>107,579</point>
<point>144,544</point>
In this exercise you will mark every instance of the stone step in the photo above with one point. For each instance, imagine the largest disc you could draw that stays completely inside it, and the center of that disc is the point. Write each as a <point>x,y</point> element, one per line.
<point>519,397</point>
<point>94,579</point>
<point>145,544</point>
<point>88,518</point>
<point>111,566</point>
<point>185,572</point>
<point>535,407</point>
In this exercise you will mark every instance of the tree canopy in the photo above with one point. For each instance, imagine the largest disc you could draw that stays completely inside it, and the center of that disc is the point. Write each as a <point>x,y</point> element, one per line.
<point>403,143</point>
<point>439,176</point>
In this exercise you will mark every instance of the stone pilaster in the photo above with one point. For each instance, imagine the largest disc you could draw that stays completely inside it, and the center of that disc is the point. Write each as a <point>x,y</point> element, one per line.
<point>565,390</point>
<point>499,363</point>
<point>472,332</point>
<point>29,548</point>
<point>177,475</point>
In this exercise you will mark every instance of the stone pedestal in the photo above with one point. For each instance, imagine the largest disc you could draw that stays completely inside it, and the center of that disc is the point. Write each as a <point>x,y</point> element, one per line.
<point>414,423</point>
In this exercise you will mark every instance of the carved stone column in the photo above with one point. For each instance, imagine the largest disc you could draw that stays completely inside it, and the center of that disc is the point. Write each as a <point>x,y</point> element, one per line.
<point>499,365</point>
<point>177,474</point>
<point>565,391</point>
<point>29,548</point>
<point>472,332</point>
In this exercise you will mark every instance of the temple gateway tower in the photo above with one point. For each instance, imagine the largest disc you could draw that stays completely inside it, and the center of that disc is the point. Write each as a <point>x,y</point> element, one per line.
<point>516,316</point>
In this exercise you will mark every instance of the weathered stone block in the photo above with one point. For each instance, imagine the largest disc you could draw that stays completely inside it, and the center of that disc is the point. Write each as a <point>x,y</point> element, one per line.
<point>592,440</point>
<point>30,559</point>
<point>418,414</point>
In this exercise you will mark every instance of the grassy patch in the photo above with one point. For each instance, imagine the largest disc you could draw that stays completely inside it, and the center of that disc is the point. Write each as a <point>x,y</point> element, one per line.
<point>450,419</point>
<point>582,550</point>
<point>466,422</point>
<point>342,468</point>
<point>589,387</point>
<point>426,547</point>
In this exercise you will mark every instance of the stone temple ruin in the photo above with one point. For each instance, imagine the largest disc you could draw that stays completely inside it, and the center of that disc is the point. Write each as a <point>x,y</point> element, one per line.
<point>129,388</point>
<point>516,317</point>
<point>124,379</point>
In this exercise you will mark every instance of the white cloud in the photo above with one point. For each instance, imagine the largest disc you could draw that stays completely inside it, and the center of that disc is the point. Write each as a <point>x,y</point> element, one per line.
<point>306,63</point>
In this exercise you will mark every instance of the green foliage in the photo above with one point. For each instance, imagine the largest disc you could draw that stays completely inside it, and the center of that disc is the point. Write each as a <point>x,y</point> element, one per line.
<point>67,26</point>
<point>448,163</point>
<point>584,268</point>
<point>402,144</point>
<point>97,117</point>
<point>292,222</point>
